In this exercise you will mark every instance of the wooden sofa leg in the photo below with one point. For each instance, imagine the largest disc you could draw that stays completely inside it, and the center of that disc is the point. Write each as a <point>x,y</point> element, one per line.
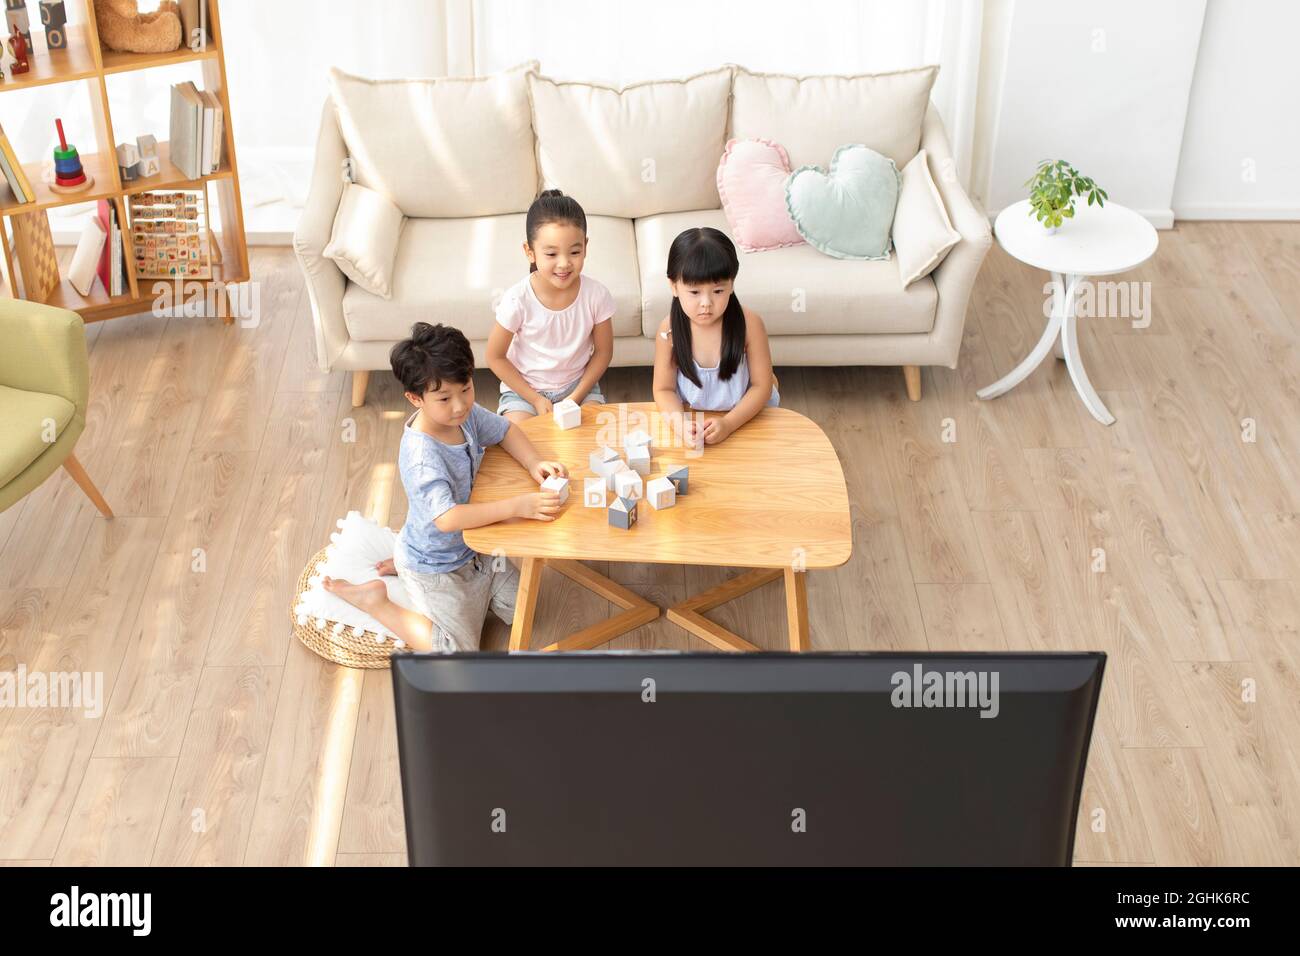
<point>359,382</point>
<point>85,484</point>
<point>912,374</point>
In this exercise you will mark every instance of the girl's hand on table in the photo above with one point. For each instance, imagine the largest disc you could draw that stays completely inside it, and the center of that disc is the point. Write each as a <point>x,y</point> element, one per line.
<point>543,405</point>
<point>715,430</point>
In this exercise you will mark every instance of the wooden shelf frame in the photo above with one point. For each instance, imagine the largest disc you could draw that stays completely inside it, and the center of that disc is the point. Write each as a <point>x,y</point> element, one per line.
<point>86,62</point>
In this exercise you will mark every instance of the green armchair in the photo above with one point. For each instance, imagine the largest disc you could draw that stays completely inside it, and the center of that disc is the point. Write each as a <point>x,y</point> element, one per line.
<point>44,385</point>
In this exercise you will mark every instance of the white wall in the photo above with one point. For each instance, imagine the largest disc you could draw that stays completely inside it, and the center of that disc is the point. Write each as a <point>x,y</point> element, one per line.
<point>1102,84</point>
<point>1241,149</point>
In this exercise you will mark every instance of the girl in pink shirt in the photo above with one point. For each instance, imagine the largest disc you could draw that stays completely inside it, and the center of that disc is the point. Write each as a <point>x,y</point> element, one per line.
<point>552,338</point>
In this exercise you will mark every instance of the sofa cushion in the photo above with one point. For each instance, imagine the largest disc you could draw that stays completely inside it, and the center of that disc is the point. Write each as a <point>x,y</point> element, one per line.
<point>645,149</point>
<point>363,243</point>
<point>847,210</point>
<point>797,290</point>
<point>448,147</point>
<point>923,233</point>
<point>24,419</point>
<point>811,116</point>
<point>454,271</point>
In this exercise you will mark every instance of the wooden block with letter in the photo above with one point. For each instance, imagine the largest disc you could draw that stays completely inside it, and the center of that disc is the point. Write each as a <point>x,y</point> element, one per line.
<point>661,493</point>
<point>54,18</point>
<point>622,513</point>
<point>593,492</point>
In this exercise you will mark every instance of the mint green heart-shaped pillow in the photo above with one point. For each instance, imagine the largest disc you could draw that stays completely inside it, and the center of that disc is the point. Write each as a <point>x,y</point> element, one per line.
<point>848,212</point>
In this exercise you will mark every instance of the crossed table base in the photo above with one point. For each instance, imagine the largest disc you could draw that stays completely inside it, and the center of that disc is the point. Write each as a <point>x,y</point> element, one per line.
<point>638,611</point>
<point>770,498</point>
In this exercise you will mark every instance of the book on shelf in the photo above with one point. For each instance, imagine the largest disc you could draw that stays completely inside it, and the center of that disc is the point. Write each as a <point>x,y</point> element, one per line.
<point>196,130</point>
<point>85,260</point>
<point>110,259</point>
<point>213,128</point>
<point>13,171</point>
<point>186,130</point>
<point>194,24</point>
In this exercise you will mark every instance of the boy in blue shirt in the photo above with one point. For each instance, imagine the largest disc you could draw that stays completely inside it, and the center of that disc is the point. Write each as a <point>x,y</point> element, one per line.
<point>451,585</point>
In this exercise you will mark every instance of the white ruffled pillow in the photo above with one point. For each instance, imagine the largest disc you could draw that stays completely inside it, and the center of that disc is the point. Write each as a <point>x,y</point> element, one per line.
<point>353,551</point>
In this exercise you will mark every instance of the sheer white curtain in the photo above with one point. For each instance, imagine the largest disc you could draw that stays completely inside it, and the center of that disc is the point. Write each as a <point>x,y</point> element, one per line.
<point>278,54</point>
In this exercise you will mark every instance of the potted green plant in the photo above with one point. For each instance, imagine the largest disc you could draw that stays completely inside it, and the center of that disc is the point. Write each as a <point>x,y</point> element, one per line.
<point>1052,190</point>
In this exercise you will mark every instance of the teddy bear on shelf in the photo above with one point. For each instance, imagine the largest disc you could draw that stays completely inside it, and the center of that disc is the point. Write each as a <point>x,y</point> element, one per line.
<point>122,27</point>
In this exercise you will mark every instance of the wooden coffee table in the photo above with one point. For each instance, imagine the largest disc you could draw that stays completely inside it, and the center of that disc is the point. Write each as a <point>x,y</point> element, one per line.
<point>771,498</point>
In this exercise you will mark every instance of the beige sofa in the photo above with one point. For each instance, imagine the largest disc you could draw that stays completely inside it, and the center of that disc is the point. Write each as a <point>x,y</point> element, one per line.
<point>462,159</point>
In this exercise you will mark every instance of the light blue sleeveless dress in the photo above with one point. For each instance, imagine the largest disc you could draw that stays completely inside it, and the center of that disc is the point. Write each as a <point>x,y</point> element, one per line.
<point>715,395</point>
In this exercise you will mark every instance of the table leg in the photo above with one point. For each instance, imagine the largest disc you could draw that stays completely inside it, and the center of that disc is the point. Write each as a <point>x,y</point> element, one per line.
<point>1058,290</point>
<point>530,579</point>
<point>1074,362</point>
<point>796,608</point>
<point>1063,293</point>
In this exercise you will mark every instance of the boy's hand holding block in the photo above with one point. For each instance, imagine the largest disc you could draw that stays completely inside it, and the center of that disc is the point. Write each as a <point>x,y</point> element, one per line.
<point>567,414</point>
<point>559,485</point>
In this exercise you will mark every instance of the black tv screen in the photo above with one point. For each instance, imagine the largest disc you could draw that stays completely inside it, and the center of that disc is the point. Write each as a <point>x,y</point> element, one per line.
<point>759,759</point>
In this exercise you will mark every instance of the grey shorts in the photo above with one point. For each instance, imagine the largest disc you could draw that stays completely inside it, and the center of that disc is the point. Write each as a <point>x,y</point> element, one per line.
<point>512,401</point>
<point>457,601</point>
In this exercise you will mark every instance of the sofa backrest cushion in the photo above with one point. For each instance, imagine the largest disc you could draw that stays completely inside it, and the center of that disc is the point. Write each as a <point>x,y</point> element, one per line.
<point>812,116</point>
<point>644,149</point>
<point>452,147</point>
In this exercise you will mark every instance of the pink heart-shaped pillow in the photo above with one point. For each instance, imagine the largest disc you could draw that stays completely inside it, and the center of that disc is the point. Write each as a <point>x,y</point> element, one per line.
<point>751,182</point>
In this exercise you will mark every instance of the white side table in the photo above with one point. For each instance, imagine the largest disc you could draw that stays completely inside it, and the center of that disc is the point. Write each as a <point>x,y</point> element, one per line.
<point>1096,242</point>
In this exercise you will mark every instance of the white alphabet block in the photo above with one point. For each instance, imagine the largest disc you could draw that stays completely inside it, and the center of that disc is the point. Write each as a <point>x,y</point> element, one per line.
<point>567,414</point>
<point>609,469</point>
<point>661,493</point>
<point>593,492</point>
<point>557,484</point>
<point>600,458</point>
<point>627,484</point>
<point>638,459</point>
<point>636,439</point>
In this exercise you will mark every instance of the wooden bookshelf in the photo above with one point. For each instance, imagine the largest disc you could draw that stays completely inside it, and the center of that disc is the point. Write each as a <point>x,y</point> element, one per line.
<point>84,61</point>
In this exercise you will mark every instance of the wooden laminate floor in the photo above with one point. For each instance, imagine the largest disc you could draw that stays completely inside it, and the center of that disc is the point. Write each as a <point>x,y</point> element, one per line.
<point>1169,540</point>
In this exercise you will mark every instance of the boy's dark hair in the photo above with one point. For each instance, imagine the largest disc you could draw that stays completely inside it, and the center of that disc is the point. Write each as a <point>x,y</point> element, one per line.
<point>552,206</point>
<point>698,257</point>
<point>432,355</point>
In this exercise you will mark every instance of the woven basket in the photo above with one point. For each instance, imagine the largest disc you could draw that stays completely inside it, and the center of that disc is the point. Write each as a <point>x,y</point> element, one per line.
<point>344,648</point>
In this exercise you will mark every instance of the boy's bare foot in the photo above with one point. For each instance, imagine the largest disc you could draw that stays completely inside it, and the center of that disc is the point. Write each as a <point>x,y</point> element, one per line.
<point>386,567</point>
<point>368,596</point>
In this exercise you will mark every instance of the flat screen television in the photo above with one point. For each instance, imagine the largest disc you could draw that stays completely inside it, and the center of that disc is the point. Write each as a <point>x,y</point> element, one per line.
<point>765,759</point>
